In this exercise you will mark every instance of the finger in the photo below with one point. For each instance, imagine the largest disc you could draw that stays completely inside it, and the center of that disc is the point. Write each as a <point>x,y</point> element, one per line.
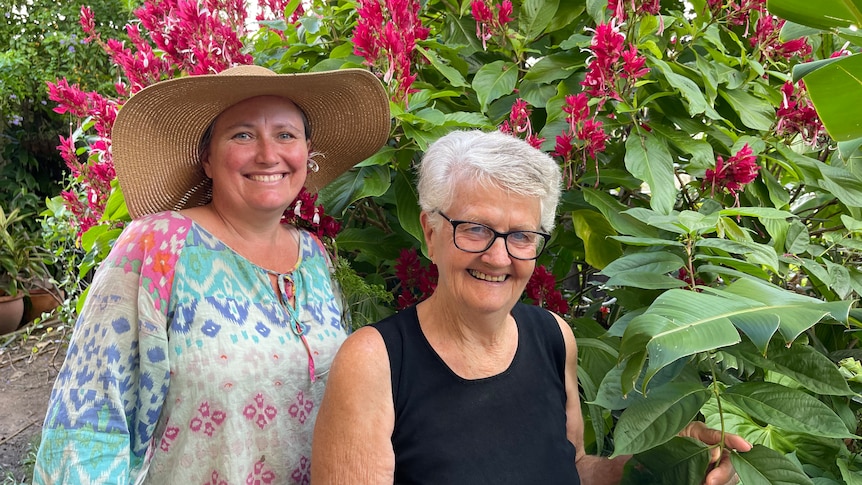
<point>723,473</point>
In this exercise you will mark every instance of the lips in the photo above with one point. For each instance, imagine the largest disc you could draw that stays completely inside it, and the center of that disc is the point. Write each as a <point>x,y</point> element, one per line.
<point>486,277</point>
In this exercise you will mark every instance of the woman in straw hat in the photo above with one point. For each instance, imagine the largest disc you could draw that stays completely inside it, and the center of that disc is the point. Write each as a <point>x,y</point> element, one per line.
<point>205,342</point>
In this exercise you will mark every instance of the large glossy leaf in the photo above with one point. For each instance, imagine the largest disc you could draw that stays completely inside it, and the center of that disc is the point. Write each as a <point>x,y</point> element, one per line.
<point>762,465</point>
<point>408,205</point>
<point>788,409</point>
<point>755,113</point>
<point>680,461</point>
<point>838,181</point>
<point>369,241</point>
<point>810,368</point>
<point>660,262</point>
<point>827,15</point>
<point>689,90</point>
<point>834,85</point>
<point>797,312</point>
<point>682,323</point>
<point>648,159</point>
<point>493,81</point>
<point>536,15</point>
<point>452,75</point>
<point>655,420</point>
<point>753,252</point>
<point>594,230</point>
<point>353,185</point>
<point>612,209</point>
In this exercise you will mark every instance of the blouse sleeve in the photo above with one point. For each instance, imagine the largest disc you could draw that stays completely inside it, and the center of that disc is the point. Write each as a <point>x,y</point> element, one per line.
<point>109,393</point>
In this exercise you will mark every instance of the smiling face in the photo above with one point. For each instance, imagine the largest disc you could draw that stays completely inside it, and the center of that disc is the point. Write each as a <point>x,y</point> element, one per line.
<point>491,281</point>
<point>257,156</point>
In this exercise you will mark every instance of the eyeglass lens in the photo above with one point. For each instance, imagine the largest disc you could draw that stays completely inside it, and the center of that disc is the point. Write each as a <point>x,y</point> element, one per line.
<point>476,238</point>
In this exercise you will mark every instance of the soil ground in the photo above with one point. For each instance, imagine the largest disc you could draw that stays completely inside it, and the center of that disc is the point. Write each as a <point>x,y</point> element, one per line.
<point>30,359</point>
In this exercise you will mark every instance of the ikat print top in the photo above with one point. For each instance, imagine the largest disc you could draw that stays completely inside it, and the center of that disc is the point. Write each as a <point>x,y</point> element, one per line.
<point>184,366</point>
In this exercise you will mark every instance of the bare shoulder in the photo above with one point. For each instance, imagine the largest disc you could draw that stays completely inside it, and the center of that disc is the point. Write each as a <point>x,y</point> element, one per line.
<point>568,335</point>
<point>352,436</point>
<point>364,348</point>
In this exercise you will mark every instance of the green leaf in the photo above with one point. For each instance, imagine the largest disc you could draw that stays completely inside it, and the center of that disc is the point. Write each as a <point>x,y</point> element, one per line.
<point>838,181</point>
<point>832,87</point>
<point>554,67</point>
<point>661,262</point>
<point>493,81</point>
<point>658,418</point>
<point>689,90</point>
<point>754,252</point>
<point>648,159</point>
<point>369,241</point>
<point>754,112</point>
<point>763,465</point>
<point>612,209</point>
<point>805,365</point>
<point>788,409</point>
<point>450,73</point>
<point>536,15</point>
<point>680,461</point>
<point>645,280</point>
<point>354,185</point>
<point>407,201</point>
<point>828,14</point>
<point>594,230</point>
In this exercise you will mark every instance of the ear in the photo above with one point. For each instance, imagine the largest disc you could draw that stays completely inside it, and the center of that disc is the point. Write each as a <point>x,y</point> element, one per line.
<point>428,232</point>
<point>205,163</point>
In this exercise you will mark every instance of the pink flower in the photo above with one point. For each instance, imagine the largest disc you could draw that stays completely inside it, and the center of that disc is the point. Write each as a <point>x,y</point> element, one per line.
<point>416,280</point>
<point>541,289</point>
<point>582,140</point>
<point>796,115</point>
<point>613,67</point>
<point>621,9</point>
<point>491,20</point>
<point>305,213</point>
<point>766,37</point>
<point>739,170</point>
<point>386,34</point>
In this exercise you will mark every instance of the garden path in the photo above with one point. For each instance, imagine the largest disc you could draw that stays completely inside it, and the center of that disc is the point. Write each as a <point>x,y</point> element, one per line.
<point>29,362</point>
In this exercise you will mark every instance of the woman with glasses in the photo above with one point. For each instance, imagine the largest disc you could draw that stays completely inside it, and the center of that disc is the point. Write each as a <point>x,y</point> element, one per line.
<point>469,386</point>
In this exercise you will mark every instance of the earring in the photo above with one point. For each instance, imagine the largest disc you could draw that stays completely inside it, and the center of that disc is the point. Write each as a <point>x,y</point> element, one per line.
<point>298,209</point>
<point>312,165</point>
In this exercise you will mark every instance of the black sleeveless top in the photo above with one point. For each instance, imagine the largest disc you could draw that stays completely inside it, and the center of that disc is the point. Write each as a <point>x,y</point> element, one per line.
<point>506,429</point>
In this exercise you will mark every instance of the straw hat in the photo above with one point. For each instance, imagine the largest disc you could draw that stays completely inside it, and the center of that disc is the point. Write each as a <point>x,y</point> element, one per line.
<point>156,134</point>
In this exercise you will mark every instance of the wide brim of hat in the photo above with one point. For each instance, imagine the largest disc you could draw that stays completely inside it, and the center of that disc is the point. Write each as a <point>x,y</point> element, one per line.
<point>156,135</point>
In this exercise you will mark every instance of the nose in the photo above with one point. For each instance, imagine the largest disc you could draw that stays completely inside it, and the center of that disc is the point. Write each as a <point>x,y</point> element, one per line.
<point>267,151</point>
<point>498,253</point>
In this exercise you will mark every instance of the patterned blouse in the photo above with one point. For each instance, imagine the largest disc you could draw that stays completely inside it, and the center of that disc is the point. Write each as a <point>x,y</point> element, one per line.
<point>186,367</point>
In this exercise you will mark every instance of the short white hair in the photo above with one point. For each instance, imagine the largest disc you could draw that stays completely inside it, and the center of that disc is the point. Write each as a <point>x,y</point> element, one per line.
<point>490,159</point>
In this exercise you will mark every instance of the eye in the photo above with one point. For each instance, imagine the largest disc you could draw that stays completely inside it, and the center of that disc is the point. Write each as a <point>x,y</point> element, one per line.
<point>523,238</point>
<point>475,231</point>
<point>286,136</point>
<point>243,135</point>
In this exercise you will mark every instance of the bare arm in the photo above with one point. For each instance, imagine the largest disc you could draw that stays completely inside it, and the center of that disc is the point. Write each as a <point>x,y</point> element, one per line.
<point>593,470</point>
<point>352,436</point>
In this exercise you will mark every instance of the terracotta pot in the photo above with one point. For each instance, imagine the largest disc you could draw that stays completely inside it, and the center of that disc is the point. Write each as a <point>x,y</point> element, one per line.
<point>11,311</point>
<point>41,301</point>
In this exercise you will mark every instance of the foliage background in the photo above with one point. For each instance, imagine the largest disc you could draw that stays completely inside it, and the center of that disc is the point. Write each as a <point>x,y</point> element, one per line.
<point>706,252</point>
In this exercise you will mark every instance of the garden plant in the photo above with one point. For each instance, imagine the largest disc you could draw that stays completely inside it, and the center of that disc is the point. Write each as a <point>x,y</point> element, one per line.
<point>707,248</point>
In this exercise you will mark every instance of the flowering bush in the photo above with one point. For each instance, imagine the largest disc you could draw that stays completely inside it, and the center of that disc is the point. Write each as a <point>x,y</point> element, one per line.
<point>706,251</point>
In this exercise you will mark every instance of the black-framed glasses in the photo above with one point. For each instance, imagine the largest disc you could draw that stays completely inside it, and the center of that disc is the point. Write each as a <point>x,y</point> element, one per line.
<point>473,237</point>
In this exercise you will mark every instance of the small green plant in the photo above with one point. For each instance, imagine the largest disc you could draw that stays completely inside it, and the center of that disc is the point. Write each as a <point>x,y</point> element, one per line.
<point>23,260</point>
<point>27,463</point>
